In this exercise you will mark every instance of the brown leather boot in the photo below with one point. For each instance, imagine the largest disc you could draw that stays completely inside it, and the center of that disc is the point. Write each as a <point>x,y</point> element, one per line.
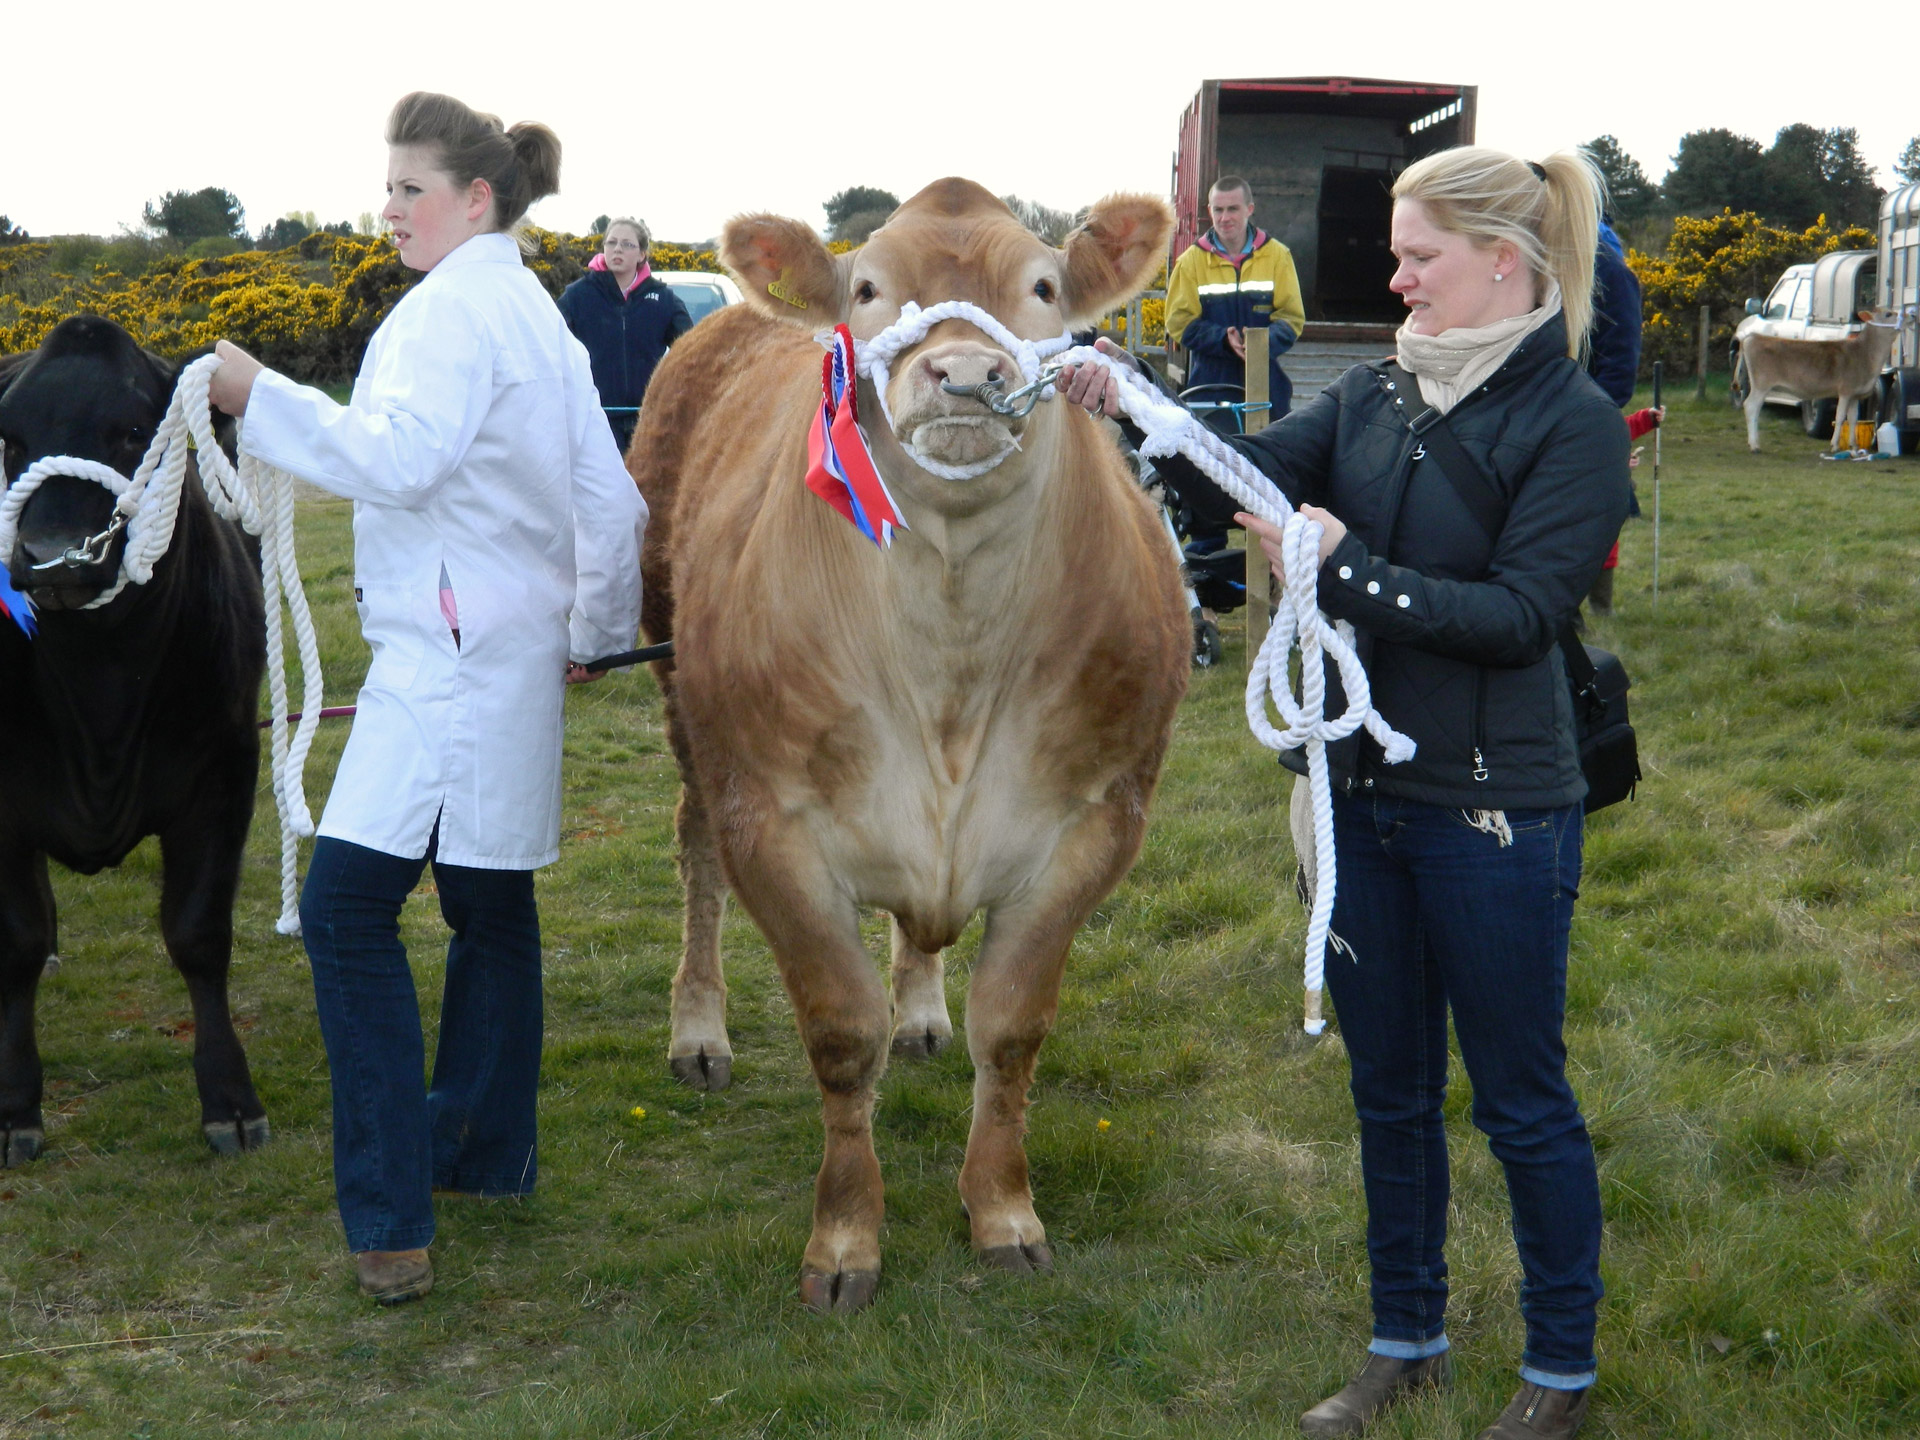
<point>394,1277</point>
<point>1382,1381</point>
<point>1538,1413</point>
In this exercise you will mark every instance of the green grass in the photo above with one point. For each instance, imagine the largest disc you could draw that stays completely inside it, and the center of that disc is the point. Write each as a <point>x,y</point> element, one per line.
<point>1745,1015</point>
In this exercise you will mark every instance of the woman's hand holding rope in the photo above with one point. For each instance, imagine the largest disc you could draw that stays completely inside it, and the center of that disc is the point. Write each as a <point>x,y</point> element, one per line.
<point>232,384</point>
<point>1272,537</point>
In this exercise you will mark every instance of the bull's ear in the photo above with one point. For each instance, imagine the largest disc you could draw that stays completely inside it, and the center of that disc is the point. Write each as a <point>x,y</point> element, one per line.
<point>785,270</point>
<point>12,365</point>
<point>1114,253</point>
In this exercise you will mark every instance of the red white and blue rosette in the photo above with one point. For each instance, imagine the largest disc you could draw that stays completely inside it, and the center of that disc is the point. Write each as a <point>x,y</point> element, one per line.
<point>840,468</point>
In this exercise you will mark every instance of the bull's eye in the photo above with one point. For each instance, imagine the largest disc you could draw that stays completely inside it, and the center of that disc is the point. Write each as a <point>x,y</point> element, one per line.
<point>1044,289</point>
<point>863,292</point>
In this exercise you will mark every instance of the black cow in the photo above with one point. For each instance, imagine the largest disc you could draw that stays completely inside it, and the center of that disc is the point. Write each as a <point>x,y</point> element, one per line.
<point>132,720</point>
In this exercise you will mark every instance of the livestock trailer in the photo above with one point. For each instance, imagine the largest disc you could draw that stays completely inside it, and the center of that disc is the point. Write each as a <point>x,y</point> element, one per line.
<point>1321,152</point>
<point>1899,288</point>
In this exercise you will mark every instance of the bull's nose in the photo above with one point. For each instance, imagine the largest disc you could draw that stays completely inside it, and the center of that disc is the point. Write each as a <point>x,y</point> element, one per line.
<point>966,365</point>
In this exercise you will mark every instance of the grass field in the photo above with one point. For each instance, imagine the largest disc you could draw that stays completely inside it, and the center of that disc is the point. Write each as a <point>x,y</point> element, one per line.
<point>1744,1023</point>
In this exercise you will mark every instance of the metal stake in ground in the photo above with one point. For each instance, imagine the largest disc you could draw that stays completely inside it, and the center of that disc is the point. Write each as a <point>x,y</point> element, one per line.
<point>1656,493</point>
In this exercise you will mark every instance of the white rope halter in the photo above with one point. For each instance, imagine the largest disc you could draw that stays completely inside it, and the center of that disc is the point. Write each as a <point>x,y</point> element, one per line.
<point>873,357</point>
<point>1171,428</point>
<point>260,498</point>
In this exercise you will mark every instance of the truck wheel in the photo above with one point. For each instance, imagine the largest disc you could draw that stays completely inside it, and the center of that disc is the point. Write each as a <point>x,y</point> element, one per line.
<point>1817,417</point>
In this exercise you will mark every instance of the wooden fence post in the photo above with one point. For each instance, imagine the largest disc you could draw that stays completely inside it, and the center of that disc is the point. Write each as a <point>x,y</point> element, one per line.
<point>1258,615</point>
<point>1706,325</point>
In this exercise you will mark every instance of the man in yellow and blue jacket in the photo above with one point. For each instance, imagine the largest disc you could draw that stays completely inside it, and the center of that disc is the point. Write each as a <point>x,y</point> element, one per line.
<point>1235,276</point>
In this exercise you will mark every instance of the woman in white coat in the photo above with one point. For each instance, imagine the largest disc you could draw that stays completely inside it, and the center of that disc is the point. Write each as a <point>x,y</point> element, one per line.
<point>496,538</point>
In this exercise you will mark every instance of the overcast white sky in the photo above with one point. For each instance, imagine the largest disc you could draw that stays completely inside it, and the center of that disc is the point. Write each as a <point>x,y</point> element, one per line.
<point>686,113</point>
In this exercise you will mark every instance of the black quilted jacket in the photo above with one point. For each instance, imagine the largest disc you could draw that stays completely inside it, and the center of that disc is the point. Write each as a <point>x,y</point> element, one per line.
<point>1459,637</point>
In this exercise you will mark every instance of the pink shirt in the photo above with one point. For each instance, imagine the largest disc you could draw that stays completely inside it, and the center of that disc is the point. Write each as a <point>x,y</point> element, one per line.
<point>599,262</point>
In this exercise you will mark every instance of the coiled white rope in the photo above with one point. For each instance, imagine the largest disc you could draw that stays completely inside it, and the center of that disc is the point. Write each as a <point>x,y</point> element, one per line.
<point>1170,428</point>
<point>260,498</point>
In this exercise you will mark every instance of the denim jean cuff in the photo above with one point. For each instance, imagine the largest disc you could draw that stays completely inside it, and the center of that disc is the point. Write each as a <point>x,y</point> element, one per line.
<point>1558,1380</point>
<point>408,1237</point>
<point>490,1186</point>
<point>1409,1349</point>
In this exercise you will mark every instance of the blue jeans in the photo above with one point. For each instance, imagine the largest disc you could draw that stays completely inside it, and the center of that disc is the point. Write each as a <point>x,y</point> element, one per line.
<point>394,1138</point>
<point>1443,916</point>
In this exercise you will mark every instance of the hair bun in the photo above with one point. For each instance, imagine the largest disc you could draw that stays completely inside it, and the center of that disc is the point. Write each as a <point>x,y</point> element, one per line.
<point>537,149</point>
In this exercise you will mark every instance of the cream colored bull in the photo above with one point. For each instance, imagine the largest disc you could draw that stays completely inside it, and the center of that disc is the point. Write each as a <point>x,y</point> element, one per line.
<point>1848,369</point>
<point>971,721</point>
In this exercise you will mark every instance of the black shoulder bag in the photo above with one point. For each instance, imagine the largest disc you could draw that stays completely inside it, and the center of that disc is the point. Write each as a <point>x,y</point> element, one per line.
<point>1609,754</point>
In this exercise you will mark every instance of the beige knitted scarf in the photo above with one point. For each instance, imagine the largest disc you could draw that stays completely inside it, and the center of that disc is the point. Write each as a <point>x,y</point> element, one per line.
<point>1455,362</point>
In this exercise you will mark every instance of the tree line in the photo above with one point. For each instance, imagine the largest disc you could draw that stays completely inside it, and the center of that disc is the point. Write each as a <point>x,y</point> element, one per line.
<point>215,220</point>
<point>1806,173</point>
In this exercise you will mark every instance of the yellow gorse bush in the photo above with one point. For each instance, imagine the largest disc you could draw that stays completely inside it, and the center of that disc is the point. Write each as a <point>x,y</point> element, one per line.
<point>308,311</point>
<point>1719,261</point>
<point>1153,318</point>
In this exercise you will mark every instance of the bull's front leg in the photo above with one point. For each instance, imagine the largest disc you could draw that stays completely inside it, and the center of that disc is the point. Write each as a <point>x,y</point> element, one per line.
<point>26,940</point>
<point>921,1026</point>
<point>1011,1004</point>
<point>841,1009</point>
<point>1012,1000</point>
<point>200,859</point>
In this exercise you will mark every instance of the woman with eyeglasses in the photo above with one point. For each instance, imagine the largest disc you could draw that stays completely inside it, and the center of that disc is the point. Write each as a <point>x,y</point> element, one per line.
<point>625,318</point>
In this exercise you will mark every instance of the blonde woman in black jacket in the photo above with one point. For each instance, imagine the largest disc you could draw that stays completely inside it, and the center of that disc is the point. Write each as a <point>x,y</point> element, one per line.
<point>1458,869</point>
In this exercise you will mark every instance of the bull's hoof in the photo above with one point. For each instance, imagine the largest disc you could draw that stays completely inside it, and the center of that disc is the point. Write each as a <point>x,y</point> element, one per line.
<point>703,1071</point>
<point>228,1137</point>
<point>51,968</point>
<point>1019,1259</point>
<point>920,1044</point>
<point>840,1293</point>
<point>20,1144</point>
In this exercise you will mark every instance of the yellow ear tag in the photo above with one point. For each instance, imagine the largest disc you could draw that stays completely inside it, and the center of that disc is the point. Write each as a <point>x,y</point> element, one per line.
<point>779,290</point>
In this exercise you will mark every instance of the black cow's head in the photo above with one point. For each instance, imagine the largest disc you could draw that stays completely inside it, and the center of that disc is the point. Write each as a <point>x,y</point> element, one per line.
<point>90,392</point>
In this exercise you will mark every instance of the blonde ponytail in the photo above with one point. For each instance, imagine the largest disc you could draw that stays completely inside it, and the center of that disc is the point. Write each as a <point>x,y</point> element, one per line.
<point>1549,212</point>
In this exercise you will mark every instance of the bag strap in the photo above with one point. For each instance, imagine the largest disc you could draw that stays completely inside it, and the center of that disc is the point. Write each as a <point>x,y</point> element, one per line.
<point>1482,498</point>
<point>1469,480</point>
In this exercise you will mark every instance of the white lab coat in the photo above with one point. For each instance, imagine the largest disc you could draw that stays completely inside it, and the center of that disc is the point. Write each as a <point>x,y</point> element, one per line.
<point>474,441</point>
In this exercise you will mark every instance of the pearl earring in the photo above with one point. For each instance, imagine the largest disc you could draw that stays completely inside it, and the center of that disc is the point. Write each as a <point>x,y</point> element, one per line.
<point>1498,277</point>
